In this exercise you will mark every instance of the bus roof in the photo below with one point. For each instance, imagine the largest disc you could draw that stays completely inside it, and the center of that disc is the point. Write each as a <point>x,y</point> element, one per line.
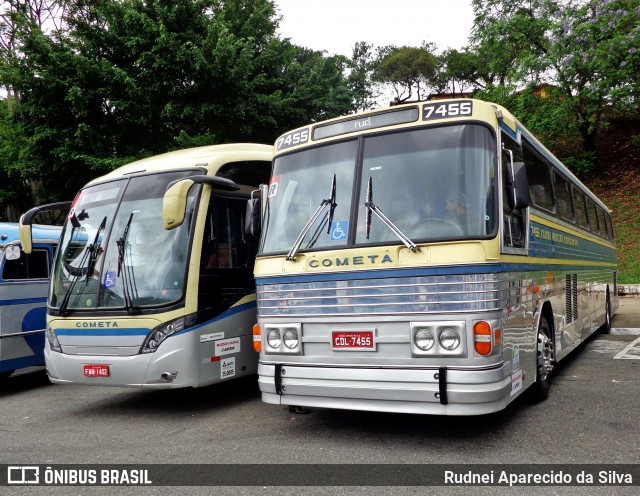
<point>210,157</point>
<point>40,233</point>
<point>486,110</point>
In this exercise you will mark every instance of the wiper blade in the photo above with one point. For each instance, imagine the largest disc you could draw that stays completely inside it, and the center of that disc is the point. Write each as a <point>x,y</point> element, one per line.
<point>372,208</point>
<point>332,203</point>
<point>329,202</point>
<point>94,248</point>
<point>89,258</point>
<point>124,269</point>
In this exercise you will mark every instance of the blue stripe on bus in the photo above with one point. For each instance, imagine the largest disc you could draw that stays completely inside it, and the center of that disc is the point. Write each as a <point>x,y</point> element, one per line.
<point>549,242</point>
<point>20,363</point>
<point>485,268</point>
<point>140,331</point>
<point>100,331</point>
<point>227,313</point>
<point>508,131</point>
<point>23,301</point>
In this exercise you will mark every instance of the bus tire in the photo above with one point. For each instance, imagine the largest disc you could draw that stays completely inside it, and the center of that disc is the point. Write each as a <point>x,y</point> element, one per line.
<point>606,327</point>
<point>545,360</point>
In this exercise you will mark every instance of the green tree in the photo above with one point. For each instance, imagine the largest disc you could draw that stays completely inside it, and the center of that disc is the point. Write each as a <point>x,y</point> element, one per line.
<point>128,79</point>
<point>586,48</point>
<point>460,71</point>
<point>407,69</point>
<point>14,187</point>
<point>362,66</point>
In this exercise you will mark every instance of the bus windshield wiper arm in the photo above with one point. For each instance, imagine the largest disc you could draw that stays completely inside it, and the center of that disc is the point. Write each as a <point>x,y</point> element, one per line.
<point>87,263</point>
<point>373,208</point>
<point>331,203</point>
<point>123,268</point>
<point>94,248</point>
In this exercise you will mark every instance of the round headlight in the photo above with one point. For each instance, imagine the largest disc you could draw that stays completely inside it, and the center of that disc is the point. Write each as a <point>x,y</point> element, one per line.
<point>449,339</point>
<point>291,339</point>
<point>424,339</point>
<point>273,339</point>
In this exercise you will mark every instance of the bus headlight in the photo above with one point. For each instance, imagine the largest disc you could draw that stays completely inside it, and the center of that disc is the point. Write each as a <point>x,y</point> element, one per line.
<point>424,339</point>
<point>441,338</point>
<point>283,338</point>
<point>52,339</point>
<point>291,339</point>
<point>162,332</point>
<point>273,339</point>
<point>449,339</point>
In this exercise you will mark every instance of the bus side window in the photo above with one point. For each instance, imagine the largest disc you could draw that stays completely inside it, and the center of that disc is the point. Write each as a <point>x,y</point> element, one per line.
<point>593,216</point>
<point>581,208</point>
<point>32,266</point>
<point>512,220</point>
<point>224,246</point>
<point>539,180</point>
<point>563,194</point>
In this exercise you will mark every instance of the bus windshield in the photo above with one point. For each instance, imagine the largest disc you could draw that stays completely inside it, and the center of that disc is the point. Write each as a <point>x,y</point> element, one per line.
<point>114,251</point>
<point>433,184</point>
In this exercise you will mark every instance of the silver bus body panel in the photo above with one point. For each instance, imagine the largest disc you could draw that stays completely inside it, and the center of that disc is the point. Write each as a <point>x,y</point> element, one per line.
<point>393,379</point>
<point>195,357</point>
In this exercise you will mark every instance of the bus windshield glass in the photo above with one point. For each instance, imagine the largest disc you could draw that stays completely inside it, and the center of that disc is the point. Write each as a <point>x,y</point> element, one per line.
<point>433,184</point>
<point>114,251</point>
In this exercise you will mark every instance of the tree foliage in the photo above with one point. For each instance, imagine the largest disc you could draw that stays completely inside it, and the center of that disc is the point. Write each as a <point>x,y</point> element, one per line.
<point>407,69</point>
<point>123,80</point>
<point>588,49</point>
<point>361,82</point>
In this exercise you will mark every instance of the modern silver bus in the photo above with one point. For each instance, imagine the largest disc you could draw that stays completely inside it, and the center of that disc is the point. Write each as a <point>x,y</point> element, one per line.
<point>152,285</point>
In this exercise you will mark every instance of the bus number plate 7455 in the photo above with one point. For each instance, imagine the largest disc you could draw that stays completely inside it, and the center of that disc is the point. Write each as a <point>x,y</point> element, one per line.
<point>353,340</point>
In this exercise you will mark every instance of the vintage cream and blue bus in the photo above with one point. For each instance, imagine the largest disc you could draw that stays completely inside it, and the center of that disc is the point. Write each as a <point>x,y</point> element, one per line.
<point>24,282</point>
<point>152,286</point>
<point>428,258</point>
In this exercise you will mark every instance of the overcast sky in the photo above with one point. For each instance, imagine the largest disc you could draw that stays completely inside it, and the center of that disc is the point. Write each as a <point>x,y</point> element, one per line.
<point>336,25</point>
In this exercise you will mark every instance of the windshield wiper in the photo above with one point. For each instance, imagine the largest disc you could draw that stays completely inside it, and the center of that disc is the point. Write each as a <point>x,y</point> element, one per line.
<point>124,269</point>
<point>331,203</point>
<point>373,208</point>
<point>94,249</point>
<point>85,267</point>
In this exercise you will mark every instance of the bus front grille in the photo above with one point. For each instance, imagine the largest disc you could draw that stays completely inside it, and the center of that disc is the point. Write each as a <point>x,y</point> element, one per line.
<point>388,296</point>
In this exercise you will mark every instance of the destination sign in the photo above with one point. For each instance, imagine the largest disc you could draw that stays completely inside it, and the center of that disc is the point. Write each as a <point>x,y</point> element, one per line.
<point>362,123</point>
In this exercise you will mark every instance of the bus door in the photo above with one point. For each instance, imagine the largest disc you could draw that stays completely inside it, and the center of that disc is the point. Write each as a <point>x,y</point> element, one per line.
<point>228,254</point>
<point>226,287</point>
<point>514,198</point>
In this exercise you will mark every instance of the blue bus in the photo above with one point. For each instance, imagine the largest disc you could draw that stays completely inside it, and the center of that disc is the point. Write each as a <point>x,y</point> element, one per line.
<point>24,284</point>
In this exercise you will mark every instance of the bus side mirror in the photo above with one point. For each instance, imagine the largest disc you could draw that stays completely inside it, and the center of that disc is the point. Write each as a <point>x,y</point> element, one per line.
<point>24,231</point>
<point>24,228</point>
<point>516,184</point>
<point>255,211</point>
<point>521,186</point>
<point>174,201</point>
<point>12,252</point>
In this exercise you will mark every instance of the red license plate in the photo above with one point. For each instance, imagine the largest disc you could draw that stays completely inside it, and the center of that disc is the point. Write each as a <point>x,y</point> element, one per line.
<point>352,340</point>
<point>96,370</point>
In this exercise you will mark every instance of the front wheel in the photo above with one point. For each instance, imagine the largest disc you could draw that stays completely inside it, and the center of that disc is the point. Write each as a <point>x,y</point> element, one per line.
<point>545,360</point>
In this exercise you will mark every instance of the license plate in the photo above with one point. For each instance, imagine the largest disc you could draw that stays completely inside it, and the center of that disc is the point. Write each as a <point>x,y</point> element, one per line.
<point>96,370</point>
<point>353,340</point>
